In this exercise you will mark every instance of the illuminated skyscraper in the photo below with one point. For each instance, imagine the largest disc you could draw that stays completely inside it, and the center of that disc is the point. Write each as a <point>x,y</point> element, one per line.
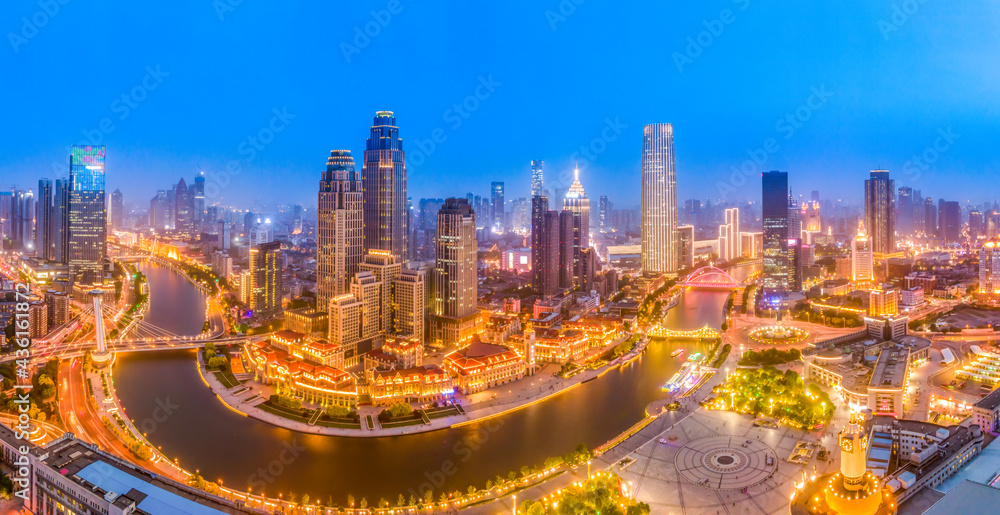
<point>577,203</point>
<point>455,275</point>
<point>880,212</point>
<point>729,235</point>
<point>59,229</point>
<point>537,184</point>
<point>339,229</point>
<point>183,210</point>
<point>774,210</point>
<point>498,212</point>
<point>87,226</point>
<point>117,208</point>
<point>605,213</point>
<point>198,203</point>
<point>43,220</point>
<point>862,258</point>
<point>659,200</point>
<point>265,277</point>
<point>385,268</point>
<point>989,269</point>
<point>384,180</point>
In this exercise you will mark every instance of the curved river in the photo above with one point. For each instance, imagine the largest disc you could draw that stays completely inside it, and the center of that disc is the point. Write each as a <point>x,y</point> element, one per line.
<point>244,452</point>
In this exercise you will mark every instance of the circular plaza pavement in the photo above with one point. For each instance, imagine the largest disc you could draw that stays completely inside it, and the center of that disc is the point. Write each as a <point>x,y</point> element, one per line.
<point>725,462</point>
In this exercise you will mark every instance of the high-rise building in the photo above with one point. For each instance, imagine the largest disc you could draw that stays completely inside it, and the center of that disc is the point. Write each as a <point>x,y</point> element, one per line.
<point>883,301</point>
<point>339,227</point>
<point>774,212</point>
<point>989,269</point>
<point>183,210</point>
<point>87,224</point>
<point>567,246</point>
<point>659,200</point>
<point>543,277</point>
<point>59,228</point>
<point>930,217</point>
<point>265,278</point>
<point>537,184</point>
<point>862,258</point>
<point>455,275</point>
<point>43,220</point>
<point>24,218</point>
<point>880,212</point>
<point>685,237</point>
<point>368,290</point>
<point>158,212</point>
<point>497,212</point>
<point>384,188</point>
<point>729,235</point>
<point>950,221</point>
<point>198,203</point>
<point>385,268</point>
<point>975,225</point>
<point>605,214</point>
<point>906,212</point>
<point>117,208</point>
<point>408,304</point>
<point>225,228</point>
<point>577,203</point>
<point>296,219</point>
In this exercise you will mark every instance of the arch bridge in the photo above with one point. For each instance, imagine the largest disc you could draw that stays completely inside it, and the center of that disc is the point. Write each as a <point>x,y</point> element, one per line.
<point>710,277</point>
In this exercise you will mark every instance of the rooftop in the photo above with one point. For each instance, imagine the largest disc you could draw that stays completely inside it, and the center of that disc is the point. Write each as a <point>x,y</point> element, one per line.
<point>990,402</point>
<point>890,371</point>
<point>968,497</point>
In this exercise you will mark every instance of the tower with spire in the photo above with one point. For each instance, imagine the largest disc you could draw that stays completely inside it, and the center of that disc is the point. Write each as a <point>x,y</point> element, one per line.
<point>577,203</point>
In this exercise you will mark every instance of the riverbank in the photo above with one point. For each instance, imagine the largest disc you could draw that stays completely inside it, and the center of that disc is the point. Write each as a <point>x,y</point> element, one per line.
<point>247,397</point>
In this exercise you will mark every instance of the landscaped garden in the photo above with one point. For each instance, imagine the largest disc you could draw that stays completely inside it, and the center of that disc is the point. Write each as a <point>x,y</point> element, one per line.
<point>770,392</point>
<point>772,357</point>
<point>603,493</point>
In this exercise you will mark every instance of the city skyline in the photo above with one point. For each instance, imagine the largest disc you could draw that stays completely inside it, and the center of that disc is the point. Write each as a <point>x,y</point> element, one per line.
<point>951,132</point>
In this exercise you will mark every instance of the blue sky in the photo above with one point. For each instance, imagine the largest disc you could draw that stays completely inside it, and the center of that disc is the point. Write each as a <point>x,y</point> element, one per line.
<point>868,84</point>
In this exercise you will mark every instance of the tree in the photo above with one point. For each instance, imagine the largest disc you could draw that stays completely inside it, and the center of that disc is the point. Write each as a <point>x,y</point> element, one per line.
<point>350,500</point>
<point>364,503</point>
<point>400,409</point>
<point>305,498</point>
<point>400,501</point>
<point>337,412</point>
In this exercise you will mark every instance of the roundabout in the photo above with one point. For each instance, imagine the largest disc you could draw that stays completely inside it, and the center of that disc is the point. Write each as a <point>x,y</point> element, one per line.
<point>725,462</point>
<point>778,334</point>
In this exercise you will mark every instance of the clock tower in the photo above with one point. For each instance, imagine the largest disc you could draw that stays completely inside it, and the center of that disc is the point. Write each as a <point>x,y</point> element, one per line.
<point>853,491</point>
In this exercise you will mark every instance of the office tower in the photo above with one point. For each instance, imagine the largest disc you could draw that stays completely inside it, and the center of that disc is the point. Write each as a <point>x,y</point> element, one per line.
<point>262,231</point>
<point>904,220</point>
<point>383,179</point>
<point>577,203</point>
<point>296,219</point>
<point>659,200</point>
<point>183,210</point>
<point>685,237</point>
<point>536,178</point>
<point>692,212</point>
<point>117,208</point>
<point>539,208</point>
<point>521,221</point>
<point>880,212</point>
<point>862,258</point>
<point>810,217</point>
<point>7,213</point>
<point>158,211</point>
<point>198,203</point>
<point>265,278</point>
<point>248,221</point>
<point>815,196</point>
<point>883,301</point>
<point>794,219</point>
<point>795,264</point>
<point>171,219</point>
<point>930,217</point>
<point>455,274</point>
<point>385,268</point>
<point>339,227</point>
<point>729,235</point>
<point>225,228</point>
<point>567,246</point>
<point>345,323</point>
<point>87,227</point>
<point>774,213</point>
<point>497,213</point>
<point>59,228</point>
<point>408,304</point>
<point>989,269</point>
<point>43,220</point>
<point>950,221</point>
<point>24,218</point>
<point>975,225</point>
<point>552,251</point>
<point>366,288</point>
<point>605,214</point>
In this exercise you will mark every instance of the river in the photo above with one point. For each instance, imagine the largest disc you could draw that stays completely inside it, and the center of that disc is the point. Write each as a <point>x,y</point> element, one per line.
<point>244,452</point>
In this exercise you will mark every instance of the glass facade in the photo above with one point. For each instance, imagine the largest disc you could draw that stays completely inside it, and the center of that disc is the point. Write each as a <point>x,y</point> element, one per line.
<point>87,245</point>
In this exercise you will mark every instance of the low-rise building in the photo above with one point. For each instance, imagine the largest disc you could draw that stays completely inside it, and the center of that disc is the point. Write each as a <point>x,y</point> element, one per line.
<point>555,346</point>
<point>409,352</point>
<point>986,412</point>
<point>484,365</point>
<point>306,320</point>
<point>429,383</point>
<point>911,298</point>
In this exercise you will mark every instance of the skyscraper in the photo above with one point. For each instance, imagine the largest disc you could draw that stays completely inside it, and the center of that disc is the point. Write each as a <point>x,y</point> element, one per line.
<point>384,179</point>
<point>198,203</point>
<point>537,184</point>
<point>59,229</point>
<point>950,221</point>
<point>774,212</point>
<point>989,269</point>
<point>87,223</point>
<point>265,277</point>
<point>496,198</point>
<point>43,220</point>
<point>605,213</point>
<point>904,221</point>
<point>408,304</point>
<point>659,200</point>
<point>930,217</point>
<point>183,210</point>
<point>880,212</point>
<point>862,260</point>
<point>577,203</point>
<point>117,209</point>
<point>455,274</point>
<point>339,229</point>
<point>729,235</point>
<point>385,268</point>
<point>542,276</point>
